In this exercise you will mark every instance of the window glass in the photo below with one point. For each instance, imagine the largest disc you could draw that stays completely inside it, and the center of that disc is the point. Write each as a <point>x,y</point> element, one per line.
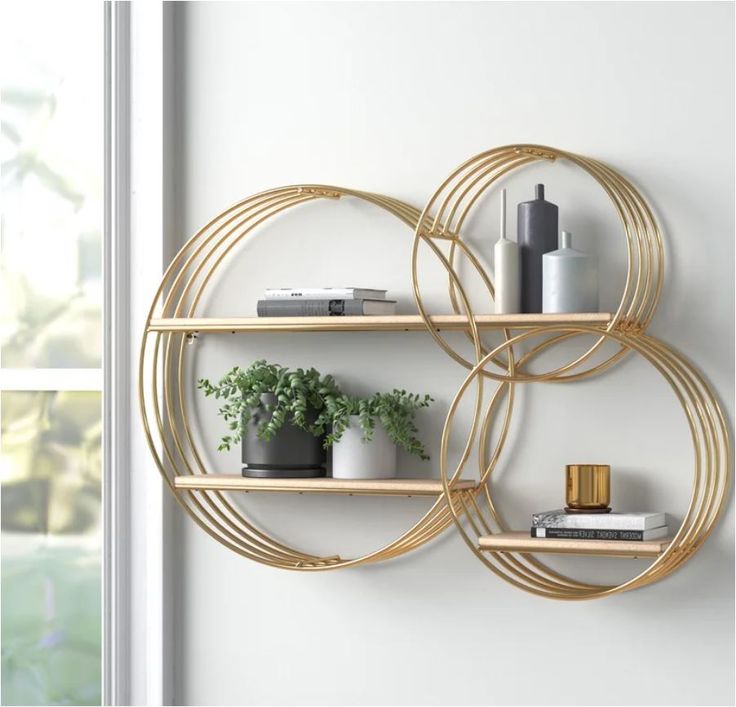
<point>52,181</point>
<point>50,461</point>
<point>52,162</point>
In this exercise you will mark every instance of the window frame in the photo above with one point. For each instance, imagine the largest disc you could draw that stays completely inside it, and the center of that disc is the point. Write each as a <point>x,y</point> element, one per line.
<point>115,489</point>
<point>137,655</point>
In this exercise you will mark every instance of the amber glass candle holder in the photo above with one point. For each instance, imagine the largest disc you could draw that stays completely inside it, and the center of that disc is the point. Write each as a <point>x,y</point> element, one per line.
<point>588,488</point>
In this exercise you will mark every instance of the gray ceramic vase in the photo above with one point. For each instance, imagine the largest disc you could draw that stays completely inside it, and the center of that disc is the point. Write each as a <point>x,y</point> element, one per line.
<point>537,234</point>
<point>292,453</point>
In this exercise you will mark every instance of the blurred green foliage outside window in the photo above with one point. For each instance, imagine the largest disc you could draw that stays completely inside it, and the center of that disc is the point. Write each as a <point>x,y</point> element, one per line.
<point>52,108</point>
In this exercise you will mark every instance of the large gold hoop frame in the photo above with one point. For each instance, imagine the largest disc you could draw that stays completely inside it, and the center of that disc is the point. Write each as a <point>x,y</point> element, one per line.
<point>476,516</point>
<point>163,375</point>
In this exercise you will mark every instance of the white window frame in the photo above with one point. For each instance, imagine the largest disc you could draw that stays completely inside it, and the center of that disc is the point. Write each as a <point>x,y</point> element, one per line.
<point>137,656</point>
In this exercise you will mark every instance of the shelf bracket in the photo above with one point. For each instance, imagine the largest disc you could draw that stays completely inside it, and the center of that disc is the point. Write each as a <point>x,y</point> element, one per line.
<point>537,152</point>
<point>629,326</point>
<point>325,193</point>
<point>324,562</point>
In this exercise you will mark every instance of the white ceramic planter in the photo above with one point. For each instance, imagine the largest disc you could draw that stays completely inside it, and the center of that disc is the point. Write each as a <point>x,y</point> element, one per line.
<point>354,458</point>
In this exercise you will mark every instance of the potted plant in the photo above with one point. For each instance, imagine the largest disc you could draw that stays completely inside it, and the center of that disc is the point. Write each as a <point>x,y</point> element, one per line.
<point>276,413</point>
<point>285,420</point>
<point>365,433</point>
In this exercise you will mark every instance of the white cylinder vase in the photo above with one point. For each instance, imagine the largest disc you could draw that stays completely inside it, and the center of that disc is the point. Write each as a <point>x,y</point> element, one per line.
<point>356,458</point>
<point>507,269</point>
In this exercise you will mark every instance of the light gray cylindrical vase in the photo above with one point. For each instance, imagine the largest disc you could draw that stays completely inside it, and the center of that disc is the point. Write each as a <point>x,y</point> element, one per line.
<point>569,279</point>
<point>355,458</point>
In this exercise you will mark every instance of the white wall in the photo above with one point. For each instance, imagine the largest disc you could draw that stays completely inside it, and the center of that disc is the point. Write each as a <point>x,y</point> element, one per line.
<point>390,97</point>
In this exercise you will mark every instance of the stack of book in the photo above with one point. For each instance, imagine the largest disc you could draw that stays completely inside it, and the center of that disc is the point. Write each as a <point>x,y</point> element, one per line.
<point>324,302</point>
<point>599,526</point>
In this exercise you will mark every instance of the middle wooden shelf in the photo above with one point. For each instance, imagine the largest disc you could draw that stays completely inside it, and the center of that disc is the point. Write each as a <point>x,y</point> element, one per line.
<point>347,487</point>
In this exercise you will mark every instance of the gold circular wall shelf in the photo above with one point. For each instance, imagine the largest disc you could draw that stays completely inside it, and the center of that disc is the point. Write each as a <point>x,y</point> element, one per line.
<point>448,209</point>
<point>478,516</point>
<point>172,323</point>
<point>163,376</point>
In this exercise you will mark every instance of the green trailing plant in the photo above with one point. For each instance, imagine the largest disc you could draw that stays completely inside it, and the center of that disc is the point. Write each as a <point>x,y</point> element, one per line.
<point>299,393</point>
<point>395,411</point>
<point>312,402</point>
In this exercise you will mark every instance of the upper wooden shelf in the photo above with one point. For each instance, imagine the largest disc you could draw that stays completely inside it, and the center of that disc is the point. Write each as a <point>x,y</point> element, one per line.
<point>349,487</point>
<point>399,322</point>
<point>522,542</point>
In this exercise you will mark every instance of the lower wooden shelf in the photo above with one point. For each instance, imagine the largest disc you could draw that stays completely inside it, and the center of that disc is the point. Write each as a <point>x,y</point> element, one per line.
<point>520,541</point>
<point>348,487</point>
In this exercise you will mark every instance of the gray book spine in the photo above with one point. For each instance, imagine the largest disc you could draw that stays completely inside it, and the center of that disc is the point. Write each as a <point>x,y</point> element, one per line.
<point>308,307</point>
<point>596,534</point>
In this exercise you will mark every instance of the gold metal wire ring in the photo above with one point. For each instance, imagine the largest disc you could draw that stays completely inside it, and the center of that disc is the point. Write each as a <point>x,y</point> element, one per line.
<point>164,378</point>
<point>476,516</point>
<point>444,215</point>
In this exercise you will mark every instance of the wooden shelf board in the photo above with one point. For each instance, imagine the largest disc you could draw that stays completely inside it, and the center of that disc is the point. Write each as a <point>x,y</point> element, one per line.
<point>366,487</point>
<point>400,322</point>
<point>520,541</point>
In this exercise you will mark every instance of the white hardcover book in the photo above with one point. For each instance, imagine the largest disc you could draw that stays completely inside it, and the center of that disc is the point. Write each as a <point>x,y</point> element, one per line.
<point>323,293</point>
<point>604,521</point>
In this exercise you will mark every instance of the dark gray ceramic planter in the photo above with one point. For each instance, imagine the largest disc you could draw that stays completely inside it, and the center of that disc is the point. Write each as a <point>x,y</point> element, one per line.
<point>292,453</point>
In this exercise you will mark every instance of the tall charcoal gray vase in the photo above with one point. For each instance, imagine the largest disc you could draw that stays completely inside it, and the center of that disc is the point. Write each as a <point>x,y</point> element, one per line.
<point>537,224</point>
